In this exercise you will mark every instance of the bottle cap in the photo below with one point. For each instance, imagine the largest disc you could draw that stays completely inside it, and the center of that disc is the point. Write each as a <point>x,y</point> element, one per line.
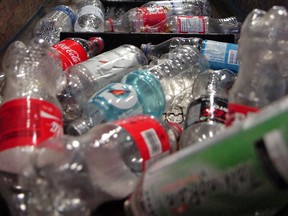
<point>98,41</point>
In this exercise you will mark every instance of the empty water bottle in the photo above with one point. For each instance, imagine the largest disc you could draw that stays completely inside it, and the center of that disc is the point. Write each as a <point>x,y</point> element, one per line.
<point>30,112</point>
<point>60,18</point>
<point>206,114</point>
<point>73,175</point>
<point>90,17</point>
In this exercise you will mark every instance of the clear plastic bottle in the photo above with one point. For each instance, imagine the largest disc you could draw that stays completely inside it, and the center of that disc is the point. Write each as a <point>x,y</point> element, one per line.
<point>30,112</point>
<point>242,171</point>
<point>194,25</point>
<point>90,17</point>
<point>143,91</point>
<point>80,173</point>
<point>262,76</point>
<point>60,18</point>
<point>138,17</point>
<point>76,50</point>
<point>179,7</point>
<point>207,112</point>
<point>87,77</point>
<point>220,55</point>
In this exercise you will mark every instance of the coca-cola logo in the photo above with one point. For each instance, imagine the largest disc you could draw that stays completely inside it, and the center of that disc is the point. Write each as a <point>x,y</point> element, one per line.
<point>73,54</point>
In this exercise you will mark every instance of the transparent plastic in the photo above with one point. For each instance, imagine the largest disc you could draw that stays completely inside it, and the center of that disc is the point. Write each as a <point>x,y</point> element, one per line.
<point>60,18</point>
<point>143,91</point>
<point>87,77</point>
<point>207,111</point>
<point>72,175</point>
<point>262,76</point>
<point>195,25</point>
<point>155,12</point>
<point>90,17</point>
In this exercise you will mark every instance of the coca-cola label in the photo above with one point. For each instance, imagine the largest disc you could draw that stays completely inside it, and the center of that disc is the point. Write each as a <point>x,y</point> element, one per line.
<point>191,24</point>
<point>28,121</point>
<point>237,113</point>
<point>71,53</point>
<point>149,16</point>
<point>149,136</point>
<point>207,109</point>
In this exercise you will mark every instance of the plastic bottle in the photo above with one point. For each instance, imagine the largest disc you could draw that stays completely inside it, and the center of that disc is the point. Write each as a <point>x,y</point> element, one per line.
<point>80,173</point>
<point>87,77</point>
<point>90,17</point>
<point>242,171</point>
<point>262,76</point>
<point>30,112</point>
<point>194,25</point>
<point>220,55</point>
<point>76,50</point>
<point>143,91</point>
<point>207,112</point>
<point>136,18</point>
<point>60,18</point>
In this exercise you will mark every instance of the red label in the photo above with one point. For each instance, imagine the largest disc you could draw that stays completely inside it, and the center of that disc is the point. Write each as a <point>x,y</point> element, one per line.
<point>28,121</point>
<point>71,53</point>
<point>238,112</point>
<point>148,134</point>
<point>150,15</point>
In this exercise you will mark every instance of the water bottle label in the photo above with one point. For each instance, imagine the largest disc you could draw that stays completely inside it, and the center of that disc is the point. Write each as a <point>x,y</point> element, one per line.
<point>192,24</point>
<point>149,136</point>
<point>71,53</point>
<point>67,10</point>
<point>117,101</point>
<point>221,55</point>
<point>149,16</point>
<point>207,109</point>
<point>114,64</point>
<point>28,121</point>
<point>237,113</point>
<point>91,9</point>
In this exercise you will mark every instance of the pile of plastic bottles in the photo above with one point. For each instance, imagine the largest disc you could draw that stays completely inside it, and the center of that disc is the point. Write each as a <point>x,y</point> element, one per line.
<point>80,127</point>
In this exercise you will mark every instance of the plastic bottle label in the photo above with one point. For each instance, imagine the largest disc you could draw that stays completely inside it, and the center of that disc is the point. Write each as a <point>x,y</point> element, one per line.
<point>71,53</point>
<point>149,136</point>
<point>205,109</point>
<point>192,24</point>
<point>67,10</point>
<point>221,55</point>
<point>149,16</point>
<point>91,9</point>
<point>117,101</point>
<point>113,63</point>
<point>238,112</point>
<point>28,121</point>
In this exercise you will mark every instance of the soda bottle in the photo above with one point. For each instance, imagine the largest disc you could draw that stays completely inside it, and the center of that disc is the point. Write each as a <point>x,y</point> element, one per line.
<point>220,55</point>
<point>142,91</point>
<point>136,18</point>
<point>178,7</point>
<point>207,111</point>
<point>90,17</point>
<point>242,171</point>
<point>76,50</point>
<point>85,78</point>
<point>71,175</point>
<point>262,76</point>
<point>30,112</point>
<point>194,25</point>
<point>60,18</point>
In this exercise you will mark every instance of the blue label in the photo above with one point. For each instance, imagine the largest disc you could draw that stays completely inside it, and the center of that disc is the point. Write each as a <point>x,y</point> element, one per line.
<point>116,101</point>
<point>221,55</point>
<point>68,11</point>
